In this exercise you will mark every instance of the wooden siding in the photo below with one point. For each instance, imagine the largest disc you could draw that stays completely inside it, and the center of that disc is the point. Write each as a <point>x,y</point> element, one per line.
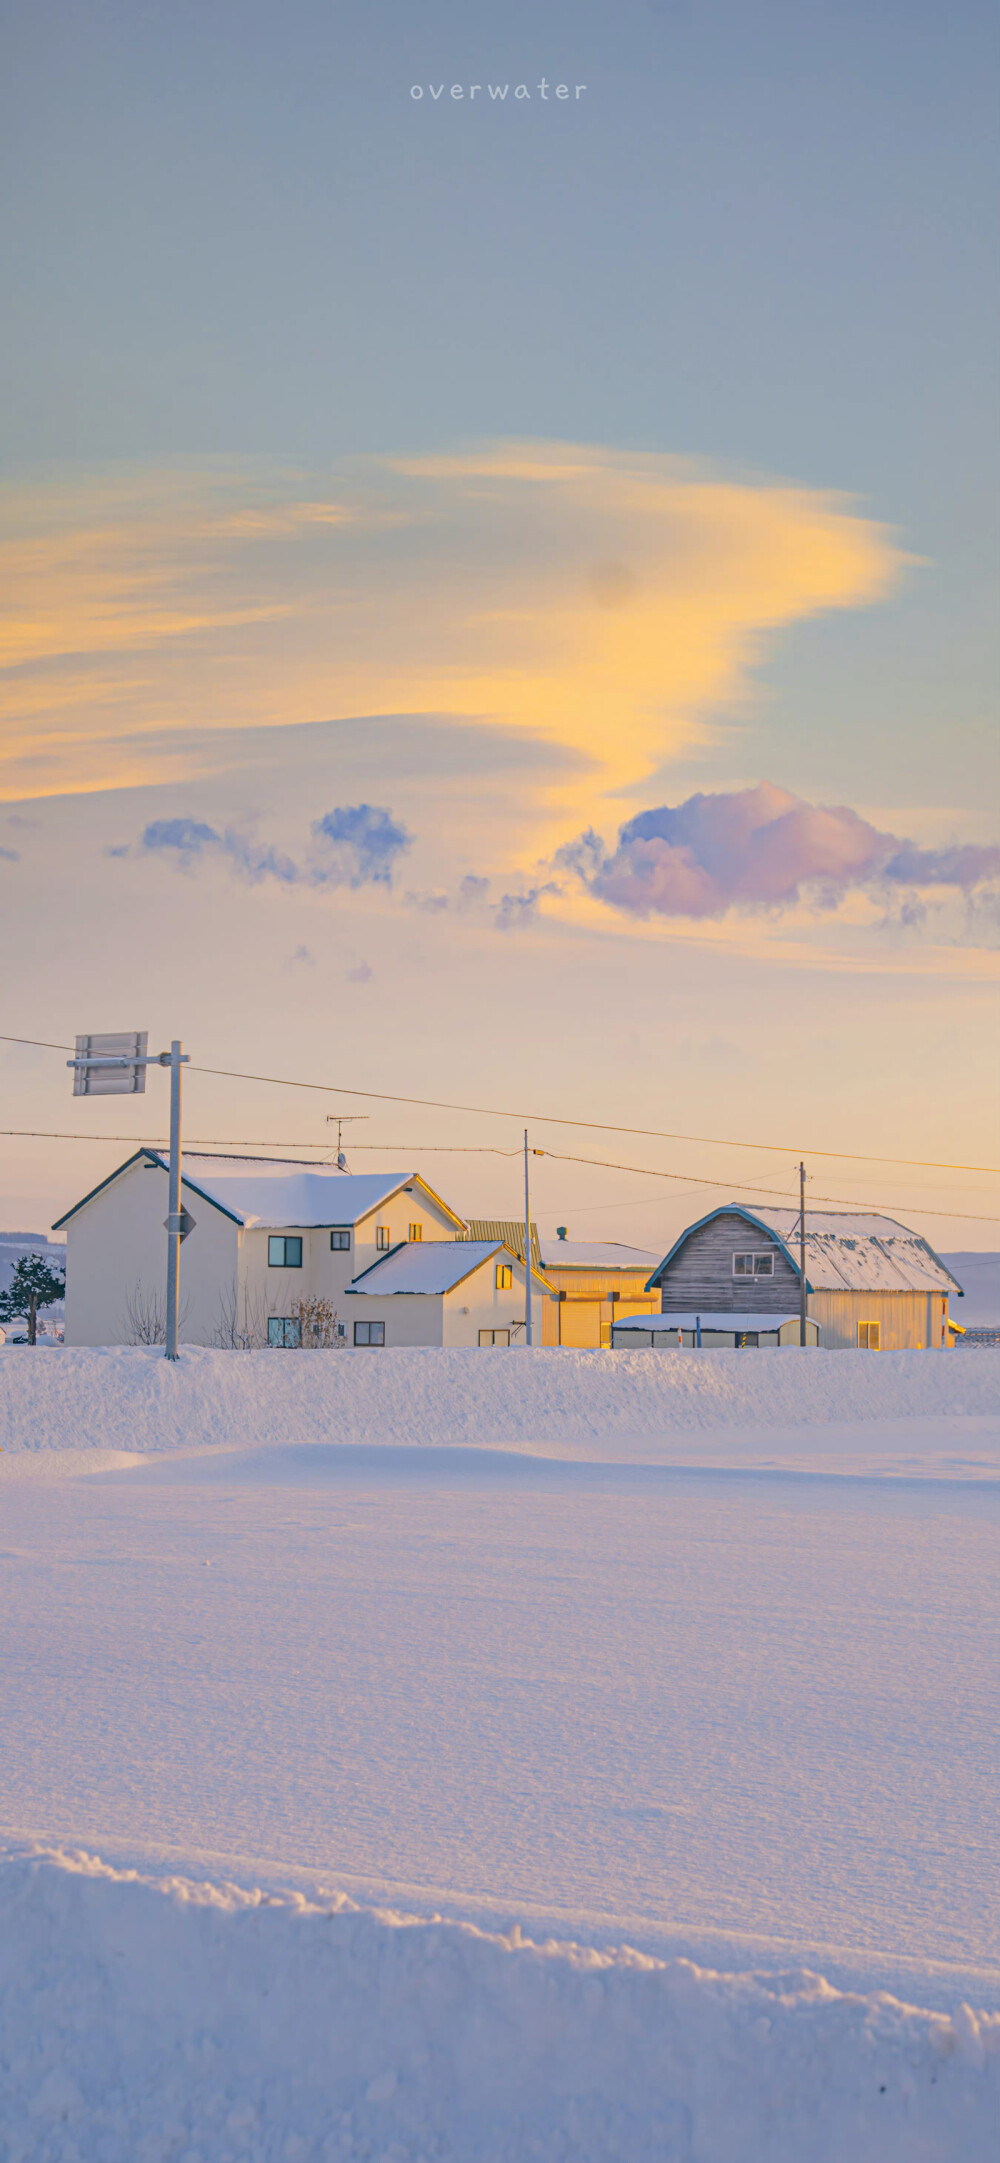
<point>598,1283</point>
<point>908,1321</point>
<point>701,1273</point>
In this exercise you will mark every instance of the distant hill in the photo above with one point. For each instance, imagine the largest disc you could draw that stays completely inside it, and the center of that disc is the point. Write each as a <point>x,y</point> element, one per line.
<point>979,1276</point>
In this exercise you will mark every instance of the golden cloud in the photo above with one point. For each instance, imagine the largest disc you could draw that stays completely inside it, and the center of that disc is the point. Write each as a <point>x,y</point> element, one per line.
<point>605,602</point>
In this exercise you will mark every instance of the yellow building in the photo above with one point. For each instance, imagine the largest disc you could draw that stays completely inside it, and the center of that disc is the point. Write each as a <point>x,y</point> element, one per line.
<point>597,1282</point>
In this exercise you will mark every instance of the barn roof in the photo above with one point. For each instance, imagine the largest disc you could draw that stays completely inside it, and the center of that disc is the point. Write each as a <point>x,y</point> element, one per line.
<point>846,1250</point>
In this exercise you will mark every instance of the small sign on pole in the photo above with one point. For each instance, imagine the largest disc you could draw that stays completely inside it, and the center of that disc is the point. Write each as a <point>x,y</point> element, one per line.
<point>111,1065</point>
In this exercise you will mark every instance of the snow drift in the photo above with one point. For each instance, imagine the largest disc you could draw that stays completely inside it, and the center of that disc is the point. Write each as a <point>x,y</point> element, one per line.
<point>170,2019</point>
<point>133,1399</point>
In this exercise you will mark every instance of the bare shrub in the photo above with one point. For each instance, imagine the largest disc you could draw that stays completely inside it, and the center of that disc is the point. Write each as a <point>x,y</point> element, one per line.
<point>319,1329</point>
<point>145,1316</point>
<point>243,1319</point>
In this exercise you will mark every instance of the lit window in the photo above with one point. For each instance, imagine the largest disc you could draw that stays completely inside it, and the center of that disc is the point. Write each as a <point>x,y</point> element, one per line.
<point>382,1238</point>
<point>869,1336</point>
<point>340,1241</point>
<point>284,1332</point>
<point>494,1336</point>
<point>283,1252</point>
<point>753,1265</point>
<point>504,1277</point>
<point>369,1332</point>
<point>414,1231</point>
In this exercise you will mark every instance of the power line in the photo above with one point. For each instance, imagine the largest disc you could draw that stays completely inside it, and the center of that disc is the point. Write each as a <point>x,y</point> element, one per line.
<point>685,1180</point>
<point>551,1119</point>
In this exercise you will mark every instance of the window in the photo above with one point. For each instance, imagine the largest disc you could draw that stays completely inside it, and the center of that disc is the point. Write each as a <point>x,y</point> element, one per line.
<point>369,1332</point>
<point>869,1336</point>
<point>414,1231</point>
<point>494,1336</point>
<point>745,1337</point>
<point>504,1277</point>
<point>753,1265</point>
<point>340,1240</point>
<point>284,1253</point>
<point>283,1332</point>
<point>383,1238</point>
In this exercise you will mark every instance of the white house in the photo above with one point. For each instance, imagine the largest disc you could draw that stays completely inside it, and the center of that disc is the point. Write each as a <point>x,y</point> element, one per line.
<point>269,1236</point>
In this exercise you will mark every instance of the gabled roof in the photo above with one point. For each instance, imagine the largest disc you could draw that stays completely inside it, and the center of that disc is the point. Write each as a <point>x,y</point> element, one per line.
<point>432,1265</point>
<point>270,1192</point>
<point>846,1251</point>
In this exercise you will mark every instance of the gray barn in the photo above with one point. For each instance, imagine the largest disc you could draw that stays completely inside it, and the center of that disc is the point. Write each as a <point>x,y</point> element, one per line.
<point>870,1281</point>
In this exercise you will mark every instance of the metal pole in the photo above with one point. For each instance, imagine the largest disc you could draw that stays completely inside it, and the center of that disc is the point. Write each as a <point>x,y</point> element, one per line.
<point>527,1248</point>
<point>174,1201</point>
<point>802,1254</point>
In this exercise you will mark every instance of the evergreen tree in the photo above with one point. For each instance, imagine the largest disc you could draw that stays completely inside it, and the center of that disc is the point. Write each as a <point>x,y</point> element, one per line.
<point>33,1285</point>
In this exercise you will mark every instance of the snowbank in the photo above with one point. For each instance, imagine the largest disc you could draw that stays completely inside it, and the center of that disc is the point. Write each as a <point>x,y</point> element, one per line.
<point>173,2020</point>
<point>134,1400</point>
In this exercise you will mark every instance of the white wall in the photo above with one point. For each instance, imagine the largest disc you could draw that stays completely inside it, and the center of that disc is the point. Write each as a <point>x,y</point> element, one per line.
<point>452,1318</point>
<point>116,1254</point>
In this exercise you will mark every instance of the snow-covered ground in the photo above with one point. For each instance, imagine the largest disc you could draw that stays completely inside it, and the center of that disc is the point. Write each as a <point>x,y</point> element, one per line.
<point>685,1654</point>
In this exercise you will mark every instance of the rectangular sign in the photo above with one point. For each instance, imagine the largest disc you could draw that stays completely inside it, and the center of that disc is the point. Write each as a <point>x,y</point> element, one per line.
<point>111,1081</point>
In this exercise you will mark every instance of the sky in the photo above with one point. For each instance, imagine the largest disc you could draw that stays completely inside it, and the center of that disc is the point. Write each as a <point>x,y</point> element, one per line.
<point>498,595</point>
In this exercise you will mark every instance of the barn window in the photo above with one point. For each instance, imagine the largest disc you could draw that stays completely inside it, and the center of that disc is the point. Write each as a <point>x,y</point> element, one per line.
<point>340,1240</point>
<point>753,1265</point>
<point>369,1332</point>
<point>284,1252</point>
<point>869,1336</point>
<point>284,1332</point>
<point>504,1277</point>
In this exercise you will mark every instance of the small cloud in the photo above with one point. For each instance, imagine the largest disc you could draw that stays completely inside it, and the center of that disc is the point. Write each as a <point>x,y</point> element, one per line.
<point>17,818</point>
<point>121,848</point>
<point>361,974</point>
<point>513,910</point>
<point>11,856</point>
<point>757,849</point>
<point>358,846</point>
<point>303,955</point>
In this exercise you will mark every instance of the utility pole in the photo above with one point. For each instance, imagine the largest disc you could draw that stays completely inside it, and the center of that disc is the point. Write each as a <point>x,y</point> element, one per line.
<point>802,1254</point>
<point>115,1065</point>
<point>527,1248</point>
<point>175,1224</point>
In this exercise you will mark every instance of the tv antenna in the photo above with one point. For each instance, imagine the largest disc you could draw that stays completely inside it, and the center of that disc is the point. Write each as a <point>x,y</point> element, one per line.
<point>338,1120</point>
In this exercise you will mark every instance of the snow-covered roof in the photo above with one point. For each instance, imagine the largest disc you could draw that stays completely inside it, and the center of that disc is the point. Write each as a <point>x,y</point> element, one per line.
<point>846,1250</point>
<point>267,1193</point>
<point>858,1251</point>
<point>595,1254</point>
<point>738,1322</point>
<point>426,1265</point>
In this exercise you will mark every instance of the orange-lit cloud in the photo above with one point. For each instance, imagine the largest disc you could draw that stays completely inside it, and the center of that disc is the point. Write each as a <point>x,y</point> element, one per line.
<point>608,603</point>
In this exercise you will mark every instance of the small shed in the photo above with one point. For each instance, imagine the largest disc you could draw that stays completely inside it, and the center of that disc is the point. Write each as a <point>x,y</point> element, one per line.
<point>710,1332</point>
<point>871,1282</point>
<point>596,1282</point>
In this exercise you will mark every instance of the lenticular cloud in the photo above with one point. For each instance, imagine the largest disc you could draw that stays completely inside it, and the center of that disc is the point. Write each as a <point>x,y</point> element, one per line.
<point>757,848</point>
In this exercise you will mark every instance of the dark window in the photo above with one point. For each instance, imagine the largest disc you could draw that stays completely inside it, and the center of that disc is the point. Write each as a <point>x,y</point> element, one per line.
<point>753,1265</point>
<point>284,1332</point>
<point>383,1238</point>
<point>284,1253</point>
<point>369,1332</point>
<point>340,1241</point>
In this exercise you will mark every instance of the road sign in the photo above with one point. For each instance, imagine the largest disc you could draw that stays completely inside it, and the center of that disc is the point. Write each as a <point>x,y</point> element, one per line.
<point>185,1224</point>
<point>111,1065</point>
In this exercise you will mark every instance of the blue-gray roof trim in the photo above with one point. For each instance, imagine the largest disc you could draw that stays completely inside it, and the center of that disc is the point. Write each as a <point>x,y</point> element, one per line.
<point>148,1156</point>
<point>728,1209</point>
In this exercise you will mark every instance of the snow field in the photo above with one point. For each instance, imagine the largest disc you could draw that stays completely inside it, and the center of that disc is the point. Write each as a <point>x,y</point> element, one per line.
<point>172,2022</point>
<point>132,1399</point>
